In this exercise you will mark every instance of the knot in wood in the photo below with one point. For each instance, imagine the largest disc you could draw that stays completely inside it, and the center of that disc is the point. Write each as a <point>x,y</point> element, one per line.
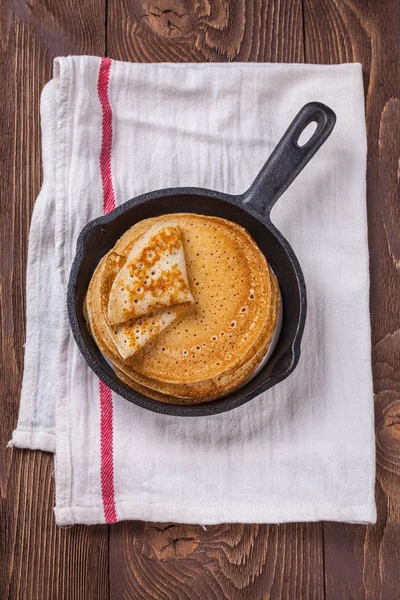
<point>171,541</point>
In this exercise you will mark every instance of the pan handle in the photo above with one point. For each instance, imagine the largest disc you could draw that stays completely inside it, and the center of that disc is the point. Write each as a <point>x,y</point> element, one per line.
<point>289,158</point>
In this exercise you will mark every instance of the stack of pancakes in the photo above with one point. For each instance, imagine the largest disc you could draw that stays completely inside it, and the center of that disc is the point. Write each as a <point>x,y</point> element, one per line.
<point>184,306</point>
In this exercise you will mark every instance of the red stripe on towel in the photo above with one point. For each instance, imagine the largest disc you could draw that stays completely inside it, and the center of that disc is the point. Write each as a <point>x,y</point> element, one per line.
<point>107,453</point>
<point>106,401</point>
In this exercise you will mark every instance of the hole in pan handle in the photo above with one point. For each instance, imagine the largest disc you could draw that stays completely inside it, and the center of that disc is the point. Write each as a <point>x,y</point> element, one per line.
<point>289,157</point>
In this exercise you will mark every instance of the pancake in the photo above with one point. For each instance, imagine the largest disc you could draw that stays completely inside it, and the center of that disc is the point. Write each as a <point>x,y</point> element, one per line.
<point>152,277</point>
<point>127,337</point>
<point>231,284</point>
<point>210,389</point>
<point>191,393</point>
<point>219,341</point>
<point>202,391</point>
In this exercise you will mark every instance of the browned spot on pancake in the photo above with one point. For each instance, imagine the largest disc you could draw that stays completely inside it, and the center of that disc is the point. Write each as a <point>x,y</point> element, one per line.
<point>164,241</point>
<point>170,284</point>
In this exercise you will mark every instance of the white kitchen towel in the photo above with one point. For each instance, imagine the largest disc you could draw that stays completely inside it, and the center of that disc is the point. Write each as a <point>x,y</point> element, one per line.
<point>304,450</point>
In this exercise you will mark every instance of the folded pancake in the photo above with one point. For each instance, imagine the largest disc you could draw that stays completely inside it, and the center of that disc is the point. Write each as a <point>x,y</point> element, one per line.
<point>131,335</point>
<point>217,343</point>
<point>153,276</point>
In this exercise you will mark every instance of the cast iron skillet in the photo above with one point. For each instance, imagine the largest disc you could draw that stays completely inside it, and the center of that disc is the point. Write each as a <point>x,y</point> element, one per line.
<point>252,211</point>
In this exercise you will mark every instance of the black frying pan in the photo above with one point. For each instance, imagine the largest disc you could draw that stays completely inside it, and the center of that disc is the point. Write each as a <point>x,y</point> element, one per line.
<point>252,211</point>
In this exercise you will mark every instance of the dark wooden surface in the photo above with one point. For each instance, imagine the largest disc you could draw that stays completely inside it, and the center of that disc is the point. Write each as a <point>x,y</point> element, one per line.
<point>163,561</point>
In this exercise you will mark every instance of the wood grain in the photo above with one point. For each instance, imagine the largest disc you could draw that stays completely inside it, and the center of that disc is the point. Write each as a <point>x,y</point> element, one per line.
<point>37,559</point>
<point>360,562</point>
<point>166,561</point>
<point>205,30</point>
<point>157,560</point>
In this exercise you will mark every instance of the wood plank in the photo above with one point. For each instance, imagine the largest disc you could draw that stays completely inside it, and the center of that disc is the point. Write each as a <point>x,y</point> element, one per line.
<point>190,31</point>
<point>153,561</point>
<point>37,559</point>
<point>362,562</point>
<point>46,561</point>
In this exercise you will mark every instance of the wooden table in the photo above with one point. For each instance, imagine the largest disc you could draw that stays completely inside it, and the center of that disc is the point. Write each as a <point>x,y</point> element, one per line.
<point>163,561</point>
